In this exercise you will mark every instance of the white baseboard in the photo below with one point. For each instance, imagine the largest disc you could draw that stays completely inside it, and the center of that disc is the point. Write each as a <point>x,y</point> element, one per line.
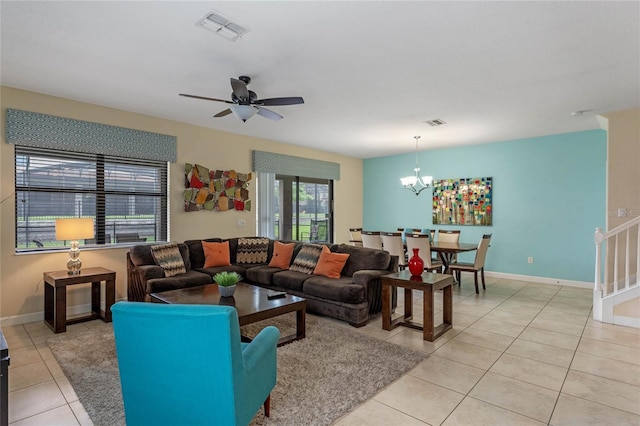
<point>80,309</point>
<point>542,280</point>
<point>626,321</point>
<point>39,316</point>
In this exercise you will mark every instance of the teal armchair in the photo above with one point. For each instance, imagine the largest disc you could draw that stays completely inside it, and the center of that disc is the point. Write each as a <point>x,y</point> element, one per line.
<point>185,365</point>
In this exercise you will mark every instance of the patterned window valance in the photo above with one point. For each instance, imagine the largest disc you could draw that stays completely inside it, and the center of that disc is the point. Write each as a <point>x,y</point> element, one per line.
<point>295,166</point>
<point>48,131</point>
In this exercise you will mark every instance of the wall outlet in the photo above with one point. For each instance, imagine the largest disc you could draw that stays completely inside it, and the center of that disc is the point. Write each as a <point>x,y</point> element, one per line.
<point>530,259</point>
<point>242,222</point>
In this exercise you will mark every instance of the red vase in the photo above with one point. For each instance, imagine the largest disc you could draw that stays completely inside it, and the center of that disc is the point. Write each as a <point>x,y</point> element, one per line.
<point>416,264</point>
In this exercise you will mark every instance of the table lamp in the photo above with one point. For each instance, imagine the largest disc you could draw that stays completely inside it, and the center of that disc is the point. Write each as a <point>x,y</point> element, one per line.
<point>73,230</point>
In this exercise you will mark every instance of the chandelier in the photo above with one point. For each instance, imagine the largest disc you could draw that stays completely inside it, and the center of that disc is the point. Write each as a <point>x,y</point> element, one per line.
<point>416,183</point>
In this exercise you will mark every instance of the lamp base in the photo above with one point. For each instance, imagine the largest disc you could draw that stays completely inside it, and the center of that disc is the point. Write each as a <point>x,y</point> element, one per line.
<point>74,263</point>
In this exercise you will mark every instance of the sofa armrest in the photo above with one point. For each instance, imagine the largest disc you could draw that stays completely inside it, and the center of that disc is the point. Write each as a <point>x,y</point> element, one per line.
<point>365,276</point>
<point>148,272</point>
<point>137,277</point>
<point>260,354</point>
<point>371,279</point>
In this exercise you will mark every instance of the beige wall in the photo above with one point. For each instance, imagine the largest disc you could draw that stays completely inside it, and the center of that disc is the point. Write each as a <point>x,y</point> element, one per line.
<point>623,165</point>
<point>21,287</point>
<point>623,177</point>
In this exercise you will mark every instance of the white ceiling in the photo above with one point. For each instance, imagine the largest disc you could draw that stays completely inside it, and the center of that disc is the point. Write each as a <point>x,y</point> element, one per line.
<point>371,73</point>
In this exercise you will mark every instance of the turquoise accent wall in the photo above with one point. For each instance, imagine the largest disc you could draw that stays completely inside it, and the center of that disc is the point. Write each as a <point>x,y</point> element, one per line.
<point>549,195</point>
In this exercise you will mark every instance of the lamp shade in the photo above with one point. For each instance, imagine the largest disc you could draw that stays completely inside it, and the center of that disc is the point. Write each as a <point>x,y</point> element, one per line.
<point>409,180</point>
<point>427,180</point>
<point>74,229</point>
<point>243,112</point>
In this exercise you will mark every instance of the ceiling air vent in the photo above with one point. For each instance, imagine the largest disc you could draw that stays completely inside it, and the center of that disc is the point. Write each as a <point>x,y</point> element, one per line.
<point>224,27</point>
<point>435,123</point>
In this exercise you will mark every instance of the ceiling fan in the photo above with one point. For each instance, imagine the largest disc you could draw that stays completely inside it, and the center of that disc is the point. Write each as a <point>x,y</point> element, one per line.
<point>245,102</point>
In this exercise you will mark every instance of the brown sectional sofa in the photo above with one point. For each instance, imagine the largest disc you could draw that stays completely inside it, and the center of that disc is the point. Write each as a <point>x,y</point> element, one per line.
<point>354,297</point>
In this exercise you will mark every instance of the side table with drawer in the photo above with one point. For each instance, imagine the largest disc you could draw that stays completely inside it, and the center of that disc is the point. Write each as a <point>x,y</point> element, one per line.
<point>55,296</point>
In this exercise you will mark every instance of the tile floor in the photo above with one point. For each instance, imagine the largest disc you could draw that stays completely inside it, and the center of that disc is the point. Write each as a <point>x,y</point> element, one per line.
<point>520,353</point>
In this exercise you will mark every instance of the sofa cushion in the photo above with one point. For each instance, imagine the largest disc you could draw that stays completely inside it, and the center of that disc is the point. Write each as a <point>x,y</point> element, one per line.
<point>196,253</point>
<point>252,250</point>
<point>240,269</point>
<point>330,264</point>
<point>141,255</point>
<point>262,274</point>
<point>216,254</point>
<point>340,290</point>
<point>291,280</point>
<point>169,258</point>
<point>282,254</point>
<point>188,279</point>
<point>363,258</point>
<point>307,258</point>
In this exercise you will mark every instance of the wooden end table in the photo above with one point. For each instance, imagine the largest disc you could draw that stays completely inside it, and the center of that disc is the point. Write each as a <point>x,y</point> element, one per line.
<point>428,283</point>
<point>55,296</point>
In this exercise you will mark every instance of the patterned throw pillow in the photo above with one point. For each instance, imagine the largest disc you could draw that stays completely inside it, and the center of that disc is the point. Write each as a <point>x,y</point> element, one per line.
<point>252,250</point>
<point>307,258</point>
<point>168,257</point>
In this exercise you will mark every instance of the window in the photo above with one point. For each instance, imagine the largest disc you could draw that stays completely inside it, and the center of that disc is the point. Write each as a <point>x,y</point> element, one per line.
<point>127,198</point>
<point>300,208</point>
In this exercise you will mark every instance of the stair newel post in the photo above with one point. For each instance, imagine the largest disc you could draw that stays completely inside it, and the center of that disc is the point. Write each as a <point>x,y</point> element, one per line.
<point>597,288</point>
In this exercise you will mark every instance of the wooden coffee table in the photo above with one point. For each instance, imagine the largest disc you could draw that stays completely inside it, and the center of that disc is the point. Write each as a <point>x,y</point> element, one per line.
<point>250,301</point>
<point>428,283</point>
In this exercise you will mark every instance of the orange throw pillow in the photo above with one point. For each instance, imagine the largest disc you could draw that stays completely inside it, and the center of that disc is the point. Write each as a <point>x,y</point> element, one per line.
<point>216,254</point>
<point>330,264</point>
<point>282,254</point>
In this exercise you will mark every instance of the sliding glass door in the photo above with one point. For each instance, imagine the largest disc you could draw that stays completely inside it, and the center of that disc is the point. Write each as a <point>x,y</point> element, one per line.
<point>303,209</point>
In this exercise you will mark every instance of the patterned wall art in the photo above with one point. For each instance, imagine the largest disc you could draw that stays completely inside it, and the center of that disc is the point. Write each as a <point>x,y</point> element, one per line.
<point>219,190</point>
<point>465,201</point>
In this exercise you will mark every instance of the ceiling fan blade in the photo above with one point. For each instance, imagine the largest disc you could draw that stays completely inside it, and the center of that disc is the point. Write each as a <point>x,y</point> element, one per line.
<point>280,101</point>
<point>267,113</point>
<point>223,113</point>
<point>240,89</point>
<point>205,98</point>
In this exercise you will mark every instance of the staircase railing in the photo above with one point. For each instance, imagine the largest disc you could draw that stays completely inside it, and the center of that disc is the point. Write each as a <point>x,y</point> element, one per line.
<point>621,260</point>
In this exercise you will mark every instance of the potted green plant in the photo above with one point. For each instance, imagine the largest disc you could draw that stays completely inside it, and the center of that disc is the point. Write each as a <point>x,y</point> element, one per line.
<point>227,282</point>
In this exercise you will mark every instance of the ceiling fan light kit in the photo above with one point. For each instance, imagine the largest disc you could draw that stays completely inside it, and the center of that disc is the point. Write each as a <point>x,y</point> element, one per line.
<point>243,112</point>
<point>245,103</point>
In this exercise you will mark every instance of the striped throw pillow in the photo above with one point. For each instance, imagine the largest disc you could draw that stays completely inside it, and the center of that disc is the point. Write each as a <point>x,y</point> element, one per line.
<point>252,250</point>
<point>168,257</point>
<point>307,258</point>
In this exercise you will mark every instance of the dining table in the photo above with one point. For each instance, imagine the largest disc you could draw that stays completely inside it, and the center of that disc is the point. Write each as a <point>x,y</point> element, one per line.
<point>447,251</point>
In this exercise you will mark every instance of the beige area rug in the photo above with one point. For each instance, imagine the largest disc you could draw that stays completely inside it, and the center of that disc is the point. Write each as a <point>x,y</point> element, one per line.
<point>320,378</point>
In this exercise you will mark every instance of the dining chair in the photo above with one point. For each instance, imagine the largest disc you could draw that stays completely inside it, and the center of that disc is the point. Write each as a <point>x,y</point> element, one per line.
<point>449,236</point>
<point>478,264</point>
<point>356,236</point>
<point>406,231</point>
<point>421,242</point>
<point>392,243</point>
<point>371,239</point>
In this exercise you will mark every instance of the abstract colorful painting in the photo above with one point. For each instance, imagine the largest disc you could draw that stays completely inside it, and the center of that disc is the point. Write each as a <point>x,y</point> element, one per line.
<point>219,190</point>
<point>465,201</point>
